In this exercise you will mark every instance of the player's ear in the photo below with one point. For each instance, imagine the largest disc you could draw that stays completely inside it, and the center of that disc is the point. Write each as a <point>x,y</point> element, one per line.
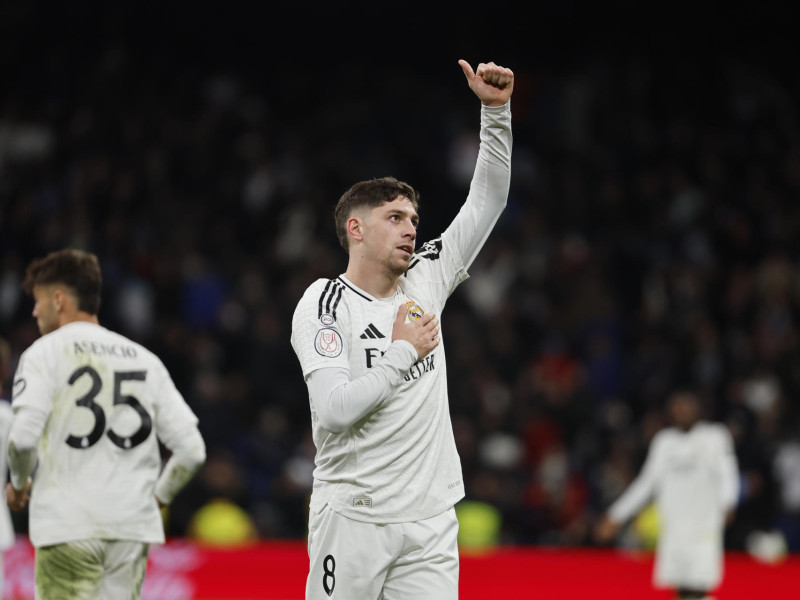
<point>355,228</point>
<point>62,299</point>
<point>58,299</point>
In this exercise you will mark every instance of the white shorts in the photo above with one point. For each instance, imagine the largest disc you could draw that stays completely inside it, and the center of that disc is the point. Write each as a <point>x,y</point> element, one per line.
<point>694,567</point>
<point>91,569</point>
<point>396,561</point>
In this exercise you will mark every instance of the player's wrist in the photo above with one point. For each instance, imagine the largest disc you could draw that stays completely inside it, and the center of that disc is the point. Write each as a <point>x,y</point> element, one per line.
<point>408,345</point>
<point>18,487</point>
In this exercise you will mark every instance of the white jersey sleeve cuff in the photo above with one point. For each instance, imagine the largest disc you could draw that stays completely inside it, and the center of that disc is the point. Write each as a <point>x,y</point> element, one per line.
<point>187,457</point>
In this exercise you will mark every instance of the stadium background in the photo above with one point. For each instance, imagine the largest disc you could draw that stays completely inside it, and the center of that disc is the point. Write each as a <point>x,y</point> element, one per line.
<point>649,241</point>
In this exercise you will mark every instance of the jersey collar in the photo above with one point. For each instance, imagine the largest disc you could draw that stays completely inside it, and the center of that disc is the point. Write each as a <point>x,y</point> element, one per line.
<point>365,295</point>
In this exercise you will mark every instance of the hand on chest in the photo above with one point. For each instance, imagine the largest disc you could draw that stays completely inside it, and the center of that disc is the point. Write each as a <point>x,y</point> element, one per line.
<point>372,328</point>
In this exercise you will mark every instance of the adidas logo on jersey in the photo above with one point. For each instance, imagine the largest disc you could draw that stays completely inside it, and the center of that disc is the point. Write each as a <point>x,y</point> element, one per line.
<point>361,501</point>
<point>371,332</point>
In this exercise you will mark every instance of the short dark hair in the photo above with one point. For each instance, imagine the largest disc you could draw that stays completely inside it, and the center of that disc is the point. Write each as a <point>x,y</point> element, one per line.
<point>75,269</point>
<point>371,193</point>
<point>684,391</point>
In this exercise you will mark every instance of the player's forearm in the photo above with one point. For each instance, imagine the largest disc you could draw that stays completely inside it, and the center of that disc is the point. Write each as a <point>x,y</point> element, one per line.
<point>341,402</point>
<point>488,192</point>
<point>496,138</point>
<point>23,440</point>
<point>187,457</point>
<point>631,501</point>
<point>20,464</point>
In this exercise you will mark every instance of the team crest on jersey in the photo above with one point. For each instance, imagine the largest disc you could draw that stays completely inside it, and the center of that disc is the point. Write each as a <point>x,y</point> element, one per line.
<point>328,342</point>
<point>415,311</point>
<point>327,319</point>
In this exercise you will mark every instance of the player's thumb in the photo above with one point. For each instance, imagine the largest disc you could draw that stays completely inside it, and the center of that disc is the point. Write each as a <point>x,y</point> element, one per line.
<point>468,72</point>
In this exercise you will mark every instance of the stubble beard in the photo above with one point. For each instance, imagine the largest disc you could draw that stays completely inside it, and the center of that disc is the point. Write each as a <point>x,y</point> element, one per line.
<point>398,268</point>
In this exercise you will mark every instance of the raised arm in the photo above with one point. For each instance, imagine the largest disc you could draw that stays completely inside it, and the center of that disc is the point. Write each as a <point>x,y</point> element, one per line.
<point>488,192</point>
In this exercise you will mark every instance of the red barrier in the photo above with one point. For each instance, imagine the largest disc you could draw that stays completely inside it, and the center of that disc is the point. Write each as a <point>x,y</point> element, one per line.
<point>181,570</point>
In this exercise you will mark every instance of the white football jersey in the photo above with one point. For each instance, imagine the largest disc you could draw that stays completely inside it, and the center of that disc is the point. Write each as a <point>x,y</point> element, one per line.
<point>108,401</point>
<point>693,478</point>
<point>400,462</point>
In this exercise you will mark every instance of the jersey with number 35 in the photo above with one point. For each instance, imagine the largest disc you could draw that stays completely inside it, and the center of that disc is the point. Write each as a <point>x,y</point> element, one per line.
<point>109,400</point>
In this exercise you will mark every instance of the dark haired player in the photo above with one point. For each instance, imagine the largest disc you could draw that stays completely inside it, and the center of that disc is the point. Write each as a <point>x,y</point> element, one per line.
<point>692,475</point>
<point>90,405</point>
<point>382,522</point>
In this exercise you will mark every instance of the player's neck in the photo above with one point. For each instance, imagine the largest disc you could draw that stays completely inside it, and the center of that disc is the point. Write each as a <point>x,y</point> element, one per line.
<point>371,278</point>
<point>78,316</point>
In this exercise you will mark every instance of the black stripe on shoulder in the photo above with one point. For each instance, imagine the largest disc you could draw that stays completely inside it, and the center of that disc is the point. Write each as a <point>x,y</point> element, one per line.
<point>350,287</point>
<point>322,296</point>
<point>431,250</point>
<point>337,288</point>
<point>413,264</point>
<point>338,297</point>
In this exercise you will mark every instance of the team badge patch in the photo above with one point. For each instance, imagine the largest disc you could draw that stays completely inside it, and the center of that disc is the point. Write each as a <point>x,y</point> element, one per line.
<point>328,343</point>
<point>415,311</point>
<point>327,319</point>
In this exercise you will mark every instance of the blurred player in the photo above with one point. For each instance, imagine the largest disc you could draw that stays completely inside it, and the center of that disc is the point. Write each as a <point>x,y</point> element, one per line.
<point>6,527</point>
<point>691,472</point>
<point>92,405</point>
<point>382,522</point>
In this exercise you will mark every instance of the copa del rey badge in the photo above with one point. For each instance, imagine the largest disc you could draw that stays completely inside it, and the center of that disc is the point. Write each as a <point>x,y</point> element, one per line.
<point>328,342</point>
<point>415,311</point>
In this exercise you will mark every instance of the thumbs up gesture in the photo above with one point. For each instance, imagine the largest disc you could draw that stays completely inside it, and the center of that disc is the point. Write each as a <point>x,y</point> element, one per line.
<point>491,83</point>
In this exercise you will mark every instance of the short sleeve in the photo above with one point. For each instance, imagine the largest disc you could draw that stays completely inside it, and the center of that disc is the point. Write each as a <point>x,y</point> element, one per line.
<point>34,384</point>
<point>320,332</point>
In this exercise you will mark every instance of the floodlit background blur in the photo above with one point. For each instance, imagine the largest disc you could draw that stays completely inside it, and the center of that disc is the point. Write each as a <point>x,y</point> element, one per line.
<point>650,240</point>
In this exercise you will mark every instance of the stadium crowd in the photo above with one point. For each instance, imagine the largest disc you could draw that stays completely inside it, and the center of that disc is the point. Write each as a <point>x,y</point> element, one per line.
<point>650,242</point>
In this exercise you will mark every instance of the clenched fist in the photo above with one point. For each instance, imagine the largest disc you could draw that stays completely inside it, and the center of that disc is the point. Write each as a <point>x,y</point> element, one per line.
<point>491,83</point>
